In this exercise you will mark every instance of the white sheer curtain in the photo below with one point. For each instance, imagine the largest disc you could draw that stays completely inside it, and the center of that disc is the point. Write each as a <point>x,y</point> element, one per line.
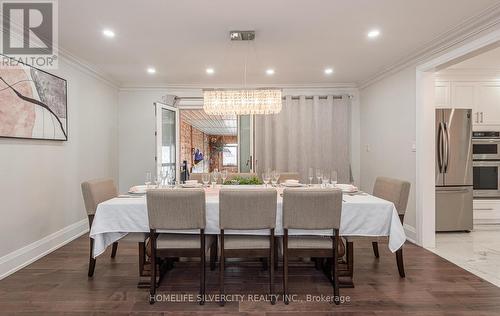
<point>307,133</point>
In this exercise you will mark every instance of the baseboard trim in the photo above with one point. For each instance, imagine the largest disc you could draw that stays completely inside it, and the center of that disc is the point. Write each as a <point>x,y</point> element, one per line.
<point>20,258</point>
<point>411,233</point>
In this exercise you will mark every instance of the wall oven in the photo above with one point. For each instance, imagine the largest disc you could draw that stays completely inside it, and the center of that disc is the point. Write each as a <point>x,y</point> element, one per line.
<point>486,145</point>
<point>486,178</point>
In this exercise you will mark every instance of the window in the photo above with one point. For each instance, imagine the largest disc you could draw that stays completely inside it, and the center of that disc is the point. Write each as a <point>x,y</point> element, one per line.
<point>230,155</point>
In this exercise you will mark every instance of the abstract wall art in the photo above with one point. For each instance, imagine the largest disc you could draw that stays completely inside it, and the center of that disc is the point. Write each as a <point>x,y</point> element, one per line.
<point>33,103</point>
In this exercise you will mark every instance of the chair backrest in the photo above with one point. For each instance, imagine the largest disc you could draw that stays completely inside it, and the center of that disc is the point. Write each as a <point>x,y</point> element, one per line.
<point>97,191</point>
<point>176,209</point>
<point>232,176</point>
<point>247,208</point>
<point>289,176</point>
<point>393,190</point>
<point>306,208</point>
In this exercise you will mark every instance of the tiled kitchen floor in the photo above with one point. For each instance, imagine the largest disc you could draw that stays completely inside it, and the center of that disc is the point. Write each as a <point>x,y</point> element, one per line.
<point>477,252</point>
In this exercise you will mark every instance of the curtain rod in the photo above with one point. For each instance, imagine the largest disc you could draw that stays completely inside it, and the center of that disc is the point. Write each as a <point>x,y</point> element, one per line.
<point>321,97</point>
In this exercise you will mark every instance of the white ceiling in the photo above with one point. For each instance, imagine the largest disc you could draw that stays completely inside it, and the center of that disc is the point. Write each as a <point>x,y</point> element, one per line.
<point>298,38</point>
<point>489,60</point>
<point>211,124</point>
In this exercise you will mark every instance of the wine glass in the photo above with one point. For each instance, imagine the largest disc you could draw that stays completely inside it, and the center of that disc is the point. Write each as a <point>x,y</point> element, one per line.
<point>266,178</point>
<point>334,178</point>
<point>148,179</point>
<point>325,180</point>
<point>319,175</point>
<point>311,176</point>
<point>205,178</point>
<point>275,178</point>
<point>223,175</point>
<point>157,181</point>
<point>215,177</point>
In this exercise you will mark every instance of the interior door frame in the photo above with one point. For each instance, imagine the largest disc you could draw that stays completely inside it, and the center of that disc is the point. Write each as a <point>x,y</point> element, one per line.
<point>252,142</point>
<point>158,139</point>
<point>425,135</point>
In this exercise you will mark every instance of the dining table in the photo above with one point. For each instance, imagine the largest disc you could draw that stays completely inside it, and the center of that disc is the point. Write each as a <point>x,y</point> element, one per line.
<point>362,215</point>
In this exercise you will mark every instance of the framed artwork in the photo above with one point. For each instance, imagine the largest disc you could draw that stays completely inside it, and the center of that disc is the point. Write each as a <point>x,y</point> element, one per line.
<point>33,103</point>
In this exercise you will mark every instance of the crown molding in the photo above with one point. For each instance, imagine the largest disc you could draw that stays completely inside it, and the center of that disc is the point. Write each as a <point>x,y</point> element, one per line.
<point>71,59</point>
<point>196,86</point>
<point>87,68</point>
<point>485,21</point>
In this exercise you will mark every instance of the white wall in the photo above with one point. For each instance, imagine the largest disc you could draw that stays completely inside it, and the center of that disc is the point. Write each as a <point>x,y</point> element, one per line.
<point>388,133</point>
<point>137,125</point>
<point>41,200</point>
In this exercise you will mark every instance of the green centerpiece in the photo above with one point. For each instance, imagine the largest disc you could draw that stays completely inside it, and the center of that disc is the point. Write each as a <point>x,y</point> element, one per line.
<point>243,181</point>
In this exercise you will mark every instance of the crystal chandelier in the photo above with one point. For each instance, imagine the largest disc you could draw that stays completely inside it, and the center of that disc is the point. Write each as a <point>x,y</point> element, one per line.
<point>242,102</point>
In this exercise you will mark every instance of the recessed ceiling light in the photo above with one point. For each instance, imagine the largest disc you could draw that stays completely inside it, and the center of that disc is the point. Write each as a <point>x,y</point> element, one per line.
<point>328,71</point>
<point>151,70</point>
<point>270,72</point>
<point>108,33</point>
<point>210,71</point>
<point>373,34</point>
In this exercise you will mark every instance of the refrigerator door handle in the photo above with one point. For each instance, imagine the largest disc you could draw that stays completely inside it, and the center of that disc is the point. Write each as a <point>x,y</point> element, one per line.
<point>453,190</point>
<point>440,147</point>
<point>447,148</point>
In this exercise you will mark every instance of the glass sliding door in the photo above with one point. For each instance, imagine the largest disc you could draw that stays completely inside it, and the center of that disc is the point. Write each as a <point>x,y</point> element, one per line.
<point>245,143</point>
<point>167,139</point>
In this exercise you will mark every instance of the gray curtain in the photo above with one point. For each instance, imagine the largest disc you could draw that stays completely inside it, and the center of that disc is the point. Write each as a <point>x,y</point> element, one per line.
<point>307,133</point>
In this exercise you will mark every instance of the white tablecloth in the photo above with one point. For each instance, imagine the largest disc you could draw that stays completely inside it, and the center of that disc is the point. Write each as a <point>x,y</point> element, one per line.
<point>362,215</point>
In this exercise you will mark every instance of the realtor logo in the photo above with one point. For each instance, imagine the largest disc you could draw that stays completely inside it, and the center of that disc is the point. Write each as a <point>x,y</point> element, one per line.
<point>29,32</point>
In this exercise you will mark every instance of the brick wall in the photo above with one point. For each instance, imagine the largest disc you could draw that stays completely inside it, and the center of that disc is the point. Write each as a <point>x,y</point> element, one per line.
<point>192,139</point>
<point>215,142</point>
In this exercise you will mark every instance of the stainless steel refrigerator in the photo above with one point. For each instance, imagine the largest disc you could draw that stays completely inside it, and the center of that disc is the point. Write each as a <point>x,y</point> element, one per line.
<point>453,170</point>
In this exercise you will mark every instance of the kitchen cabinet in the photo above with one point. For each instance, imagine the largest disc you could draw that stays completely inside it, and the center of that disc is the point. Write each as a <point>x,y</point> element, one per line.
<point>463,95</point>
<point>442,94</point>
<point>483,97</point>
<point>488,104</point>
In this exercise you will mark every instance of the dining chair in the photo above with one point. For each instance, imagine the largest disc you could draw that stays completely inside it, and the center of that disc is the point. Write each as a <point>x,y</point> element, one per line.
<point>289,176</point>
<point>311,209</point>
<point>397,192</point>
<point>252,209</point>
<point>177,210</point>
<point>95,192</point>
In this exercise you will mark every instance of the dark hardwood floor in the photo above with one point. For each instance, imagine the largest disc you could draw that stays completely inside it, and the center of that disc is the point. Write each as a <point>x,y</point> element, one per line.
<point>58,285</point>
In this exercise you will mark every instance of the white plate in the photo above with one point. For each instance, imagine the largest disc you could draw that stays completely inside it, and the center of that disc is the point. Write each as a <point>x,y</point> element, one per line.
<point>138,189</point>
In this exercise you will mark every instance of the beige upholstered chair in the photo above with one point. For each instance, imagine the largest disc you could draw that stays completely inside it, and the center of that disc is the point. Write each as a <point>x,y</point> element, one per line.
<point>311,209</point>
<point>397,192</point>
<point>177,210</point>
<point>95,192</point>
<point>247,209</point>
<point>289,176</point>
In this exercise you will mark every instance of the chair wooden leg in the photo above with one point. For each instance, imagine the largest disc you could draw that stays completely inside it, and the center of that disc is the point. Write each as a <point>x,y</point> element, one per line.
<point>213,255</point>
<point>221,269</point>
<point>276,252</point>
<point>142,258</point>
<point>114,249</point>
<point>375,249</point>
<point>271,267</point>
<point>285,267</point>
<point>92,260</point>
<point>399,261</point>
<point>202,266</point>
<point>335,267</point>
<point>152,290</point>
